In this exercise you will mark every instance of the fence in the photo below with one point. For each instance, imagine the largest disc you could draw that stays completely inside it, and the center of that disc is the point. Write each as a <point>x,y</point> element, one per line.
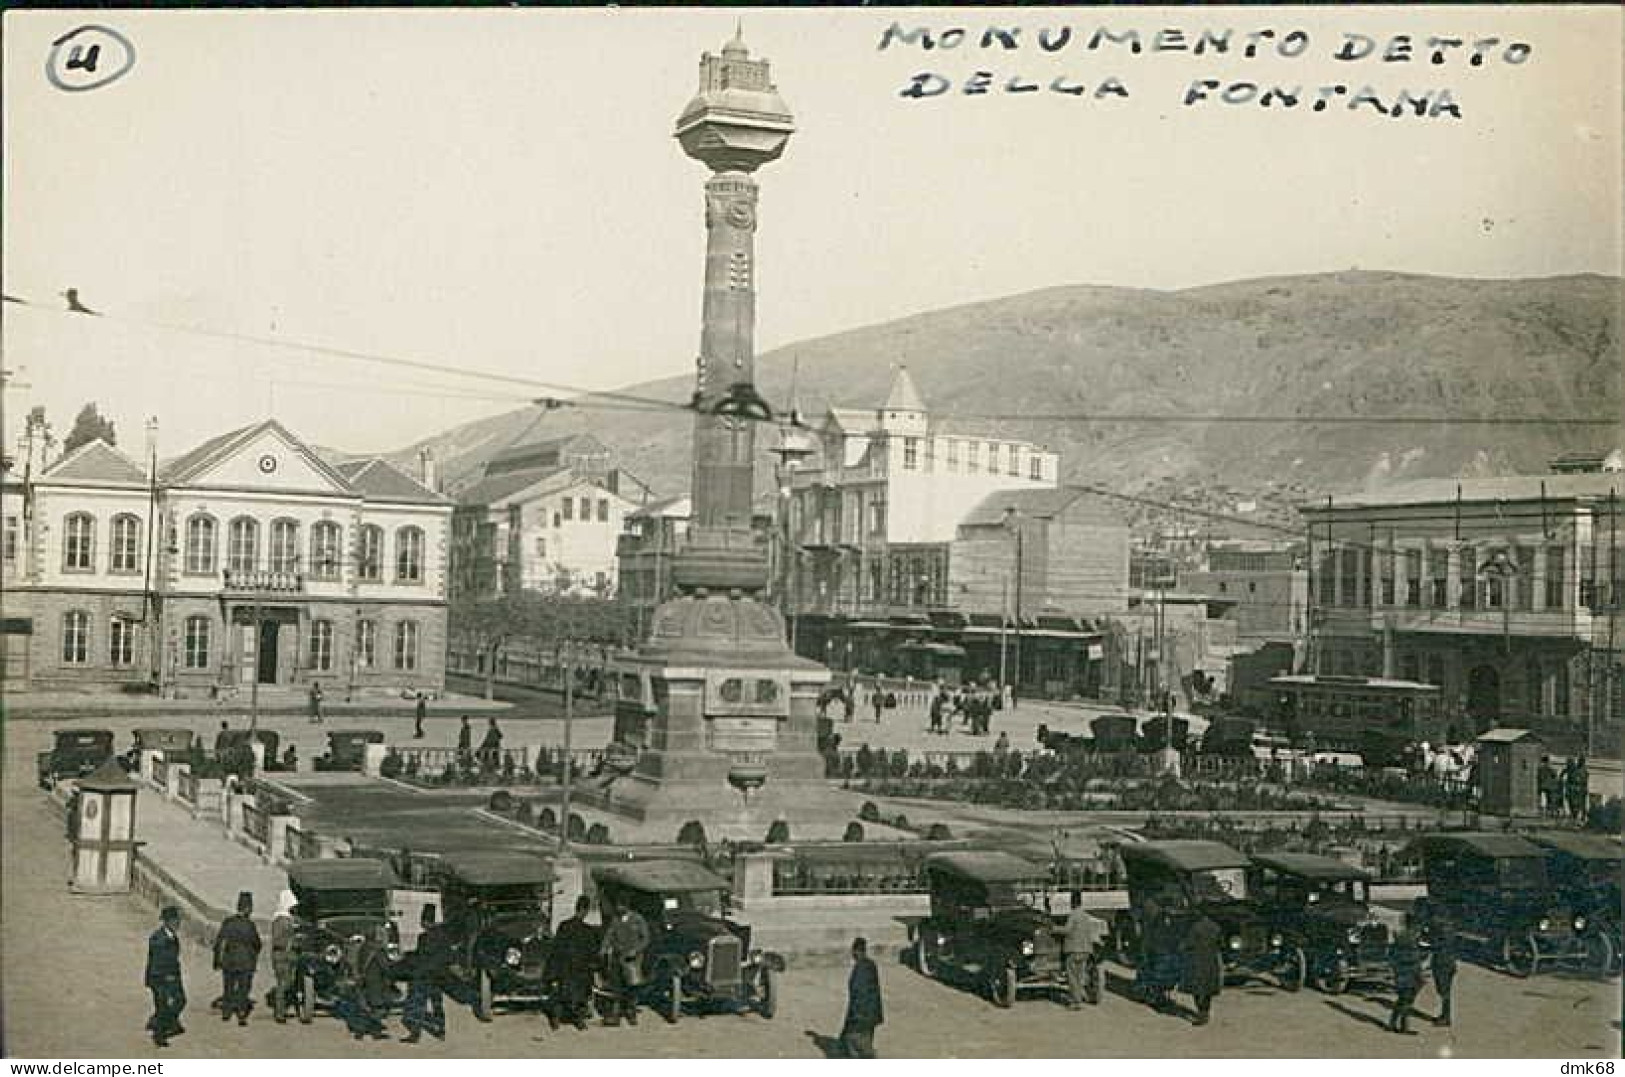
<point>256,823</point>
<point>160,772</point>
<point>873,870</point>
<point>188,787</point>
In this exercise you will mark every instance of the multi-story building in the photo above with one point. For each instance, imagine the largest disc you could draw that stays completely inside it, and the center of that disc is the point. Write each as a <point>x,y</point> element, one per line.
<point>544,516</point>
<point>247,560</point>
<point>1504,592</point>
<point>1266,584</point>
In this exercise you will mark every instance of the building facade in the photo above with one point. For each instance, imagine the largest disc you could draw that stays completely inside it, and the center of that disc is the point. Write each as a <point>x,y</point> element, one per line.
<point>248,560</point>
<point>1267,584</point>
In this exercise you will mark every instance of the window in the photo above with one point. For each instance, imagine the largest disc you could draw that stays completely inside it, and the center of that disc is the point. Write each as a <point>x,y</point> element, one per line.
<point>973,457</point>
<point>1413,579</point>
<point>197,643</point>
<point>121,642</point>
<point>877,517</point>
<point>406,645</point>
<point>369,552</point>
<point>1467,570</point>
<point>76,637</point>
<point>78,542</point>
<point>911,454</point>
<point>243,545</point>
<point>284,546</point>
<point>541,547</point>
<point>1014,460</point>
<point>1348,579</point>
<point>586,509</point>
<point>325,541</point>
<point>1385,565</point>
<point>993,453</point>
<point>12,538</point>
<point>953,455</point>
<point>568,504</point>
<point>1439,578</point>
<point>366,644</point>
<point>1035,467</point>
<point>1328,577</point>
<point>1555,589</point>
<point>200,544</point>
<point>321,646</point>
<point>409,555</point>
<point>603,510</point>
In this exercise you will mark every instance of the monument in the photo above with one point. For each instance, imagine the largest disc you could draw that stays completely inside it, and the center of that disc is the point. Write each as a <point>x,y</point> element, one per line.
<point>730,736</point>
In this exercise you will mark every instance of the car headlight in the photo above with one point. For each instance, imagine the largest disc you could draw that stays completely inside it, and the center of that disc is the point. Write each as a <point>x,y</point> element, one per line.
<point>756,957</point>
<point>1027,948</point>
<point>393,951</point>
<point>333,954</point>
<point>1235,942</point>
<point>1579,923</point>
<point>512,957</point>
<point>696,960</point>
<point>1354,935</point>
<point>1544,925</point>
<point>1275,942</point>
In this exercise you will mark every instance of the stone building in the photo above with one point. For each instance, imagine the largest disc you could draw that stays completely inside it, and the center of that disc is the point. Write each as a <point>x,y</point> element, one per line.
<point>247,559</point>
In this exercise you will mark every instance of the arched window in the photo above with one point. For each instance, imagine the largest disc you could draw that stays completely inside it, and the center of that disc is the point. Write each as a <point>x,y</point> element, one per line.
<point>369,552</point>
<point>243,545</point>
<point>406,645</point>
<point>76,637</point>
<point>284,551</point>
<point>325,539</point>
<point>366,644</point>
<point>197,643</point>
<point>125,544</point>
<point>121,642</point>
<point>409,555</point>
<point>321,646</point>
<point>78,542</point>
<point>200,540</point>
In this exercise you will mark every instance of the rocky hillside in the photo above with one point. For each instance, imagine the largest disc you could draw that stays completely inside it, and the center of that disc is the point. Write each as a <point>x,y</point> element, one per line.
<point>1307,349</point>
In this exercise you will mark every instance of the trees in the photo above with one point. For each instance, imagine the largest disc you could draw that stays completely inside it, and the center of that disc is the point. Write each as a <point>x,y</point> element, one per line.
<point>544,622</point>
<point>89,425</point>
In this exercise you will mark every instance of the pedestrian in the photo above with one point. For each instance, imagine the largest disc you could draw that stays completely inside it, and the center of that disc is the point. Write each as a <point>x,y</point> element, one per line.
<point>1405,956</point>
<point>1551,790</point>
<point>316,702</point>
<point>863,1010</point>
<point>1442,947</point>
<point>1080,954</point>
<point>1578,788</point>
<point>491,745</point>
<point>364,992</point>
<point>420,711</point>
<point>163,977</point>
<point>848,704</point>
<point>283,963</point>
<point>290,759</point>
<point>1204,968</point>
<point>221,738</point>
<point>877,700</point>
<point>570,966</point>
<point>938,703</point>
<point>1151,975</point>
<point>465,742</point>
<point>1002,745</point>
<point>425,1009</point>
<point>625,940</point>
<point>237,955</point>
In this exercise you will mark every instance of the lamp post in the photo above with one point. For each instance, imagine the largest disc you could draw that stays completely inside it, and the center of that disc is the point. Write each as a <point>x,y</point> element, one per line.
<point>1012,523</point>
<point>1501,569</point>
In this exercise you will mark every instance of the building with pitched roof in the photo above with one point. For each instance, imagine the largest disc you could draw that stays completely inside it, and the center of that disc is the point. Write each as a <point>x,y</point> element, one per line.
<point>249,559</point>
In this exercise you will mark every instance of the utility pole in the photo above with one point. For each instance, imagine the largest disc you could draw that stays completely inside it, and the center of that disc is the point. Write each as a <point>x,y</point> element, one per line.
<point>568,770</point>
<point>254,668</point>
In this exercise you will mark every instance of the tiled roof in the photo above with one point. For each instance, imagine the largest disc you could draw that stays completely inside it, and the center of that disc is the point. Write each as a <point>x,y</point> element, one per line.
<point>1042,502</point>
<point>377,479</point>
<point>497,488</point>
<point>514,456</point>
<point>1499,488</point>
<point>95,462</point>
<point>183,465</point>
<point>904,396</point>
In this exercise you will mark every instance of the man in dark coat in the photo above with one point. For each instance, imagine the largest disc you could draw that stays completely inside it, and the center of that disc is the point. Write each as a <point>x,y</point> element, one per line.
<point>863,1010</point>
<point>1578,788</point>
<point>420,711</point>
<point>163,977</point>
<point>1204,967</point>
<point>570,967</point>
<point>1405,955</point>
<point>1441,938</point>
<point>425,1008</point>
<point>625,940</point>
<point>1151,976</point>
<point>465,742</point>
<point>236,955</point>
<point>491,745</point>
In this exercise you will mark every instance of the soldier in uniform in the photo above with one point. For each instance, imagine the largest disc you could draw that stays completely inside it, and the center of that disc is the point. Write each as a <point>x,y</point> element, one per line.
<point>864,1013</point>
<point>625,940</point>
<point>163,977</point>
<point>425,1000</point>
<point>570,967</point>
<point>236,955</point>
<point>283,927</point>
<point>1204,968</point>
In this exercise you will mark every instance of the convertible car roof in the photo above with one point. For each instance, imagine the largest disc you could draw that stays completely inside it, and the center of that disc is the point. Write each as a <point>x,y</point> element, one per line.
<point>499,868</point>
<point>1311,866</point>
<point>1499,846</point>
<point>351,873</point>
<point>1580,846</point>
<point>661,876</point>
<point>986,866</point>
<point>1184,855</point>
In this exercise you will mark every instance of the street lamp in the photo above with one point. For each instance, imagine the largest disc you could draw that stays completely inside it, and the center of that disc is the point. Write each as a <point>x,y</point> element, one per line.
<point>1012,523</point>
<point>1501,569</point>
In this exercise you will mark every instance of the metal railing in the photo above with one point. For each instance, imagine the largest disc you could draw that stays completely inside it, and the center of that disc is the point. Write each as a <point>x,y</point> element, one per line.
<point>233,579</point>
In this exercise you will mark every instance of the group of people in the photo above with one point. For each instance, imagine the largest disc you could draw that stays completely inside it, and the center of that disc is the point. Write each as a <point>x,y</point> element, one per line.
<point>974,707</point>
<point>1179,954</point>
<point>1565,793</point>
<point>1427,939</point>
<point>489,753</point>
<point>581,950</point>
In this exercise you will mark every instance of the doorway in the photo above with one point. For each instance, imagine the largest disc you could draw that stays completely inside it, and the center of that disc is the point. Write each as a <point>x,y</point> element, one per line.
<point>266,663</point>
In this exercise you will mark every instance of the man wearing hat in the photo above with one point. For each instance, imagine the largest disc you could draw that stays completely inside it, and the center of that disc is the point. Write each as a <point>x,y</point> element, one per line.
<point>236,955</point>
<point>425,999</point>
<point>163,977</point>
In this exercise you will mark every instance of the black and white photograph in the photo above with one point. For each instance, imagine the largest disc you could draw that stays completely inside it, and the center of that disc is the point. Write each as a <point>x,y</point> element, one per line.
<point>786,533</point>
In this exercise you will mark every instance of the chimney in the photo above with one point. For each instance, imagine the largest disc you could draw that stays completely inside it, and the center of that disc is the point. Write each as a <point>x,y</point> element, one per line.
<point>428,474</point>
<point>151,461</point>
<point>38,441</point>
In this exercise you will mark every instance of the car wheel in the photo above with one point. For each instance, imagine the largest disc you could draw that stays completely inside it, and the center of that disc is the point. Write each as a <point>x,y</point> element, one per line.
<point>482,996</point>
<point>674,999</point>
<point>1519,955</point>
<point>1600,954</point>
<point>1004,988</point>
<point>307,998</point>
<point>1334,976</point>
<point>924,959</point>
<point>1294,969</point>
<point>767,994</point>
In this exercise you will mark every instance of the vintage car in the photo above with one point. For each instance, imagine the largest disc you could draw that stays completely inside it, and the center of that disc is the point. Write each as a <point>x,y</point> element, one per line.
<point>1495,890</point>
<point>167,739</point>
<point>346,749</point>
<point>1586,870</point>
<point>344,942</point>
<point>497,906</point>
<point>233,747</point>
<point>75,753</point>
<point>990,925</point>
<point>1191,878</point>
<point>696,954</point>
<point>1321,907</point>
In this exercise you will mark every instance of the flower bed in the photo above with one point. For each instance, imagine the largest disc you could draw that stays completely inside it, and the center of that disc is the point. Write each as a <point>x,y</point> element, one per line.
<point>1062,791</point>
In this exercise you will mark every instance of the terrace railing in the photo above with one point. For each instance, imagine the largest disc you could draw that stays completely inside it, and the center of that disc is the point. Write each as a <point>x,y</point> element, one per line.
<point>256,823</point>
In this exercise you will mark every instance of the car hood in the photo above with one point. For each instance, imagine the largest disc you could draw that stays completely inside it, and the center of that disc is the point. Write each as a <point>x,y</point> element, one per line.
<point>517,927</point>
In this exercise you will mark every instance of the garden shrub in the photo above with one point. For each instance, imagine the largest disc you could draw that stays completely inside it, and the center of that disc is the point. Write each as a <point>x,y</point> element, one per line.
<point>691,833</point>
<point>869,813</point>
<point>779,832</point>
<point>597,834</point>
<point>854,832</point>
<point>501,802</point>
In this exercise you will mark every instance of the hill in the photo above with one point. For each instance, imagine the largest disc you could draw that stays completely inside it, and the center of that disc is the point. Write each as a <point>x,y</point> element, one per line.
<point>1306,349</point>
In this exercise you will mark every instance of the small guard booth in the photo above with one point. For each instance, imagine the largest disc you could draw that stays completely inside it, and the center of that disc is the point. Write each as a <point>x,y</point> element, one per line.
<point>1509,772</point>
<point>102,831</point>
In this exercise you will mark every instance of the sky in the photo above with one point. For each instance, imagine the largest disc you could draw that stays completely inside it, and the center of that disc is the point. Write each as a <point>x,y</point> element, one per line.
<point>499,191</point>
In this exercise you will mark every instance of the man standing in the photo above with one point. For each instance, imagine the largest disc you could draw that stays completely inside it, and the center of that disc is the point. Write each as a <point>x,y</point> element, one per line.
<point>1578,788</point>
<point>465,742</point>
<point>877,700</point>
<point>425,1007</point>
<point>1080,953</point>
<point>1406,957</point>
<point>938,705</point>
<point>570,965</point>
<point>163,977</point>
<point>1442,961</point>
<point>283,965</point>
<point>420,711</point>
<point>491,745</point>
<point>236,955</point>
<point>1204,968</point>
<point>624,942</point>
<point>863,1009</point>
<point>316,702</point>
